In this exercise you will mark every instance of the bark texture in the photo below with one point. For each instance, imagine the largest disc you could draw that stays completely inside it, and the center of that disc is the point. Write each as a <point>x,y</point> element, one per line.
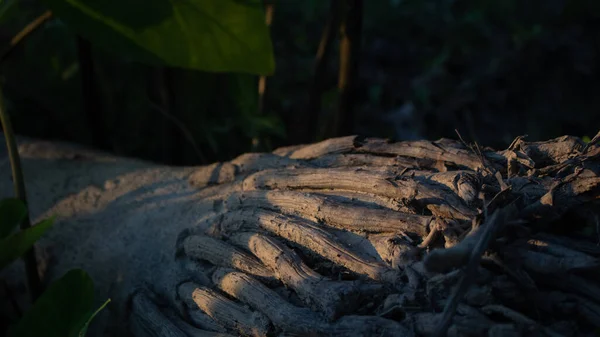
<point>347,237</point>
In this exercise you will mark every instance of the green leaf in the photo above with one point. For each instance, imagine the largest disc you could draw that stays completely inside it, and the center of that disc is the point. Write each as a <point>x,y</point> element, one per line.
<point>90,317</point>
<point>12,213</point>
<point>12,247</point>
<point>208,35</point>
<point>61,311</point>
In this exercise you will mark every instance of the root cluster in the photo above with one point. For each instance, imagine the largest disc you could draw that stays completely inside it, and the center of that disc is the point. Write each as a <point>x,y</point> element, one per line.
<point>365,237</point>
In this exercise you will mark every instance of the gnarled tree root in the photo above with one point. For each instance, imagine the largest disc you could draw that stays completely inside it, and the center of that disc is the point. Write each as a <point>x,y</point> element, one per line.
<point>364,237</point>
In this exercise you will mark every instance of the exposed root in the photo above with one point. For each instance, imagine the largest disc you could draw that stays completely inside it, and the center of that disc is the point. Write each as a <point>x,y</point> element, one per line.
<point>224,311</point>
<point>311,237</point>
<point>221,254</point>
<point>364,237</point>
<point>332,298</point>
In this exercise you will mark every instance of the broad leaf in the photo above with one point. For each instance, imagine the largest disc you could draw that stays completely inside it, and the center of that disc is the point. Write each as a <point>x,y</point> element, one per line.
<point>12,213</point>
<point>12,247</point>
<point>61,311</point>
<point>209,35</point>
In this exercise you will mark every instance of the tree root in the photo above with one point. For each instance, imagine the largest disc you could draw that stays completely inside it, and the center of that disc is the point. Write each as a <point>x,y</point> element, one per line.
<point>365,237</point>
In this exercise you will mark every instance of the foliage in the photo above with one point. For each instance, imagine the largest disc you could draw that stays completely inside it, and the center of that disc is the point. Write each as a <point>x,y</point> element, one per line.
<point>214,36</point>
<point>222,36</point>
<point>239,43</point>
<point>65,308</point>
<point>492,69</point>
<point>12,247</point>
<point>13,211</point>
<point>90,317</point>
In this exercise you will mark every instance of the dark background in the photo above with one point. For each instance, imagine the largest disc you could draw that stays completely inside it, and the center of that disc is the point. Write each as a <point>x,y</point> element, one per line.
<point>493,69</point>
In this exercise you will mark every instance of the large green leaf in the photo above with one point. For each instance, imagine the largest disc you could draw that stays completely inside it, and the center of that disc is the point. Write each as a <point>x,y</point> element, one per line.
<point>12,213</point>
<point>12,247</point>
<point>209,35</point>
<point>61,311</point>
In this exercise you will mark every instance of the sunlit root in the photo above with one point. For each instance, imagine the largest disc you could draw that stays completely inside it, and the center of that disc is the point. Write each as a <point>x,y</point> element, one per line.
<point>424,191</point>
<point>355,227</point>
<point>364,237</point>
<point>224,311</point>
<point>332,211</point>
<point>333,298</point>
<point>311,237</point>
<point>222,254</point>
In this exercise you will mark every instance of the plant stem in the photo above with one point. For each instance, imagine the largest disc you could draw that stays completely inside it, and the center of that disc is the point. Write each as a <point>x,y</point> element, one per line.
<point>319,69</point>
<point>30,28</point>
<point>262,81</point>
<point>349,53</point>
<point>257,142</point>
<point>33,278</point>
<point>162,95</point>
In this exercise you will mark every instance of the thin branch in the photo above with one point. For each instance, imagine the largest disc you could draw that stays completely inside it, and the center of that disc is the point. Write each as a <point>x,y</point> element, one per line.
<point>163,95</point>
<point>475,151</point>
<point>262,81</point>
<point>487,234</point>
<point>30,28</point>
<point>186,133</point>
<point>321,61</point>
<point>33,278</point>
<point>257,142</point>
<point>349,59</point>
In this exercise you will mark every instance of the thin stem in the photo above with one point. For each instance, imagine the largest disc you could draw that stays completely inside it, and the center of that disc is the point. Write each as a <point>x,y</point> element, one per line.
<point>33,278</point>
<point>262,81</point>
<point>349,54</point>
<point>258,142</point>
<point>30,28</point>
<point>162,96</point>
<point>319,71</point>
<point>184,130</point>
<point>487,234</point>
